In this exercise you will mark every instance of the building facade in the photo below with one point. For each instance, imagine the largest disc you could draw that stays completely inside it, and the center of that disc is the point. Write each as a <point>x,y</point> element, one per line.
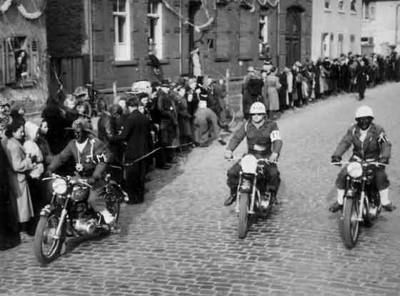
<point>336,28</point>
<point>119,35</point>
<point>380,26</point>
<point>23,54</point>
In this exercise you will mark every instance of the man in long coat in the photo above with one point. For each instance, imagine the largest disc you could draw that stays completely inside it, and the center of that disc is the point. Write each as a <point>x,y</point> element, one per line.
<point>137,134</point>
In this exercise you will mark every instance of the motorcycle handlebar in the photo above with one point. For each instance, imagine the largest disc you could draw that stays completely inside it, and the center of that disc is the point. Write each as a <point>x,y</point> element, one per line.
<point>376,163</point>
<point>69,179</point>
<point>234,158</point>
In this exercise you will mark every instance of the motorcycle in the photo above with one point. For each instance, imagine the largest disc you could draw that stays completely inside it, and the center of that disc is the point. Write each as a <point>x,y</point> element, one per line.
<point>361,201</point>
<point>69,214</point>
<point>250,202</point>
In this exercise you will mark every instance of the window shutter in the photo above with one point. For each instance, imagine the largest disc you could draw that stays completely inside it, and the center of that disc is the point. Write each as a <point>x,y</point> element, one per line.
<point>34,69</point>
<point>10,61</point>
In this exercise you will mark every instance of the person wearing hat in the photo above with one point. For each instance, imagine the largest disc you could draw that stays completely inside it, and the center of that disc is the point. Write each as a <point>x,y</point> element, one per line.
<point>263,141</point>
<point>91,158</point>
<point>168,124</point>
<point>361,78</point>
<point>369,141</point>
<point>246,94</point>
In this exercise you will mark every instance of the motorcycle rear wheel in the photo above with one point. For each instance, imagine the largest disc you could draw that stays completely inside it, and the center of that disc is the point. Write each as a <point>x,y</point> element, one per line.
<point>46,247</point>
<point>349,225</point>
<point>244,199</point>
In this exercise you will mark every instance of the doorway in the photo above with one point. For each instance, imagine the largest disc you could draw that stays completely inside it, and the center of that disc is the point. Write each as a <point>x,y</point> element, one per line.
<point>293,35</point>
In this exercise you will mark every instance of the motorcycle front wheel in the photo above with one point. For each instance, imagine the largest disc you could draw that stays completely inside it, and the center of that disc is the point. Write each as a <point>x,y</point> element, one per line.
<point>244,199</point>
<point>349,225</point>
<point>46,246</point>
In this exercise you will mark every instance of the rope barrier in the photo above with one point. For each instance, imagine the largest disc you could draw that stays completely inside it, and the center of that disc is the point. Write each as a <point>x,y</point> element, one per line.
<point>155,150</point>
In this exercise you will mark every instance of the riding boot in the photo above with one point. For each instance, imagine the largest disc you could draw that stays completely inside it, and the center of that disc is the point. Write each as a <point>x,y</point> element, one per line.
<point>338,204</point>
<point>386,203</point>
<point>231,199</point>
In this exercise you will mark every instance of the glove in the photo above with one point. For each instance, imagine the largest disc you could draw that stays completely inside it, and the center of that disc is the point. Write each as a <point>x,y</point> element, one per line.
<point>383,160</point>
<point>228,154</point>
<point>335,159</point>
<point>273,157</point>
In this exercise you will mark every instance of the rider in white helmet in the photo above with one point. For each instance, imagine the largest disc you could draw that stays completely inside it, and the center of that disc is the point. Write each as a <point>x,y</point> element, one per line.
<point>263,141</point>
<point>369,141</point>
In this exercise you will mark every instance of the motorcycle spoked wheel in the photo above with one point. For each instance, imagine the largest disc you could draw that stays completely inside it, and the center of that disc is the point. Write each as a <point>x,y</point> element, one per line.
<point>349,225</point>
<point>46,247</point>
<point>244,221</point>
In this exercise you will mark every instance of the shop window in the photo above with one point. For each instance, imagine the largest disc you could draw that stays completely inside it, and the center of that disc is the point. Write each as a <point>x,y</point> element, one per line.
<point>156,28</point>
<point>122,37</point>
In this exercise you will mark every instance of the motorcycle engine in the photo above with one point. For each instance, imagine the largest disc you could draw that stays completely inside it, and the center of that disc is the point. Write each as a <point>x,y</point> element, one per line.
<point>86,226</point>
<point>265,200</point>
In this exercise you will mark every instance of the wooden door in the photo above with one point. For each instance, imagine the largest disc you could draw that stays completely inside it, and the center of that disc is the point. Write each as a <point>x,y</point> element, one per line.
<point>293,36</point>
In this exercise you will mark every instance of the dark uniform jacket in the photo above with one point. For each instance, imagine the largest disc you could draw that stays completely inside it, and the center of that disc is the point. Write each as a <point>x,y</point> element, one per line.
<point>261,142</point>
<point>93,159</point>
<point>376,144</point>
<point>137,134</point>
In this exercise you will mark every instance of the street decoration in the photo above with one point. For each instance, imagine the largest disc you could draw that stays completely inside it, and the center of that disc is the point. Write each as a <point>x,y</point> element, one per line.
<point>22,9</point>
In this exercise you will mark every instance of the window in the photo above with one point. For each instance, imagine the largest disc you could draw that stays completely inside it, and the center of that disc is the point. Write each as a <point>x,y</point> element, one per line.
<point>353,4</point>
<point>325,48</point>
<point>331,45</point>
<point>263,46</point>
<point>21,60</point>
<point>327,4</point>
<point>155,35</point>
<point>122,39</point>
<point>340,44</point>
<point>341,5</point>
<point>368,10</point>
<point>352,41</point>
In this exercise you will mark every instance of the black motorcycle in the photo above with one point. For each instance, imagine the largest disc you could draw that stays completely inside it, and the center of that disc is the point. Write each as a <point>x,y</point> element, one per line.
<point>361,201</point>
<point>69,214</point>
<point>251,201</point>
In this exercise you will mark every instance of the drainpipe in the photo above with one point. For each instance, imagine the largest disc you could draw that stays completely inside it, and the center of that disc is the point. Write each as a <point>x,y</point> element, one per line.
<point>180,39</point>
<point>396,39</point>
<point>91,70</point>
<point>278,38</point>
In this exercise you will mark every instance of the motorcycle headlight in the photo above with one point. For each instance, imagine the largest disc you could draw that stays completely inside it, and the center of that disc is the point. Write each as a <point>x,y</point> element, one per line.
<point>354,169</point>
<point>60,186</point>
<point>249,164</point>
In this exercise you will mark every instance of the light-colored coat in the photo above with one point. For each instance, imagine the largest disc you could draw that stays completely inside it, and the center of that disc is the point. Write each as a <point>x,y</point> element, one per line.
<point>273,85</point>
<point>20,165</point>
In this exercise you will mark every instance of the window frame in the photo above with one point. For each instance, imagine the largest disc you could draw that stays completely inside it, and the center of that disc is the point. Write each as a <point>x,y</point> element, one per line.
<point>327,5</point>
<point>156,43</point>
<point>263,34</point>
<point>353,11</point>
<point>341,10</point>
<point>127,45</point>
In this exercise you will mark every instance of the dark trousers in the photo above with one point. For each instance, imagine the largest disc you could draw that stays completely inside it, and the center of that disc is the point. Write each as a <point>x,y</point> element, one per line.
<point>271,173</point>
<point>135,179</point>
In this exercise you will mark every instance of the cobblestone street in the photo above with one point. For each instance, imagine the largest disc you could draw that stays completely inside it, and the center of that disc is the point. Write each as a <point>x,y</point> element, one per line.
<point>183,241</point>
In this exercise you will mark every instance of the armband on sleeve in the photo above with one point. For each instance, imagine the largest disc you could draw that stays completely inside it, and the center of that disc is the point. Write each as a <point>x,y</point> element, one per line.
<point>275,135</point>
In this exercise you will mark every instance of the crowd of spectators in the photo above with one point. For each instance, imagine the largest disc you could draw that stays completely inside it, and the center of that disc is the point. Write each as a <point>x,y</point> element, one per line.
<point>144,130</point>
<point>309,81</point>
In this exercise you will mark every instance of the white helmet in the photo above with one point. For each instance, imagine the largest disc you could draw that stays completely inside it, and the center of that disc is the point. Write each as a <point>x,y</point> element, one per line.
<point>364,111</point>
<point>257,108</point>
